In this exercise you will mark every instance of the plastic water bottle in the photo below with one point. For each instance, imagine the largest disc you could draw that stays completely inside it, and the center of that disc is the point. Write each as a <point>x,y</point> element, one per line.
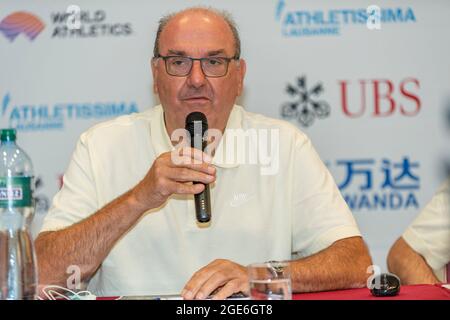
<point>18,270</point>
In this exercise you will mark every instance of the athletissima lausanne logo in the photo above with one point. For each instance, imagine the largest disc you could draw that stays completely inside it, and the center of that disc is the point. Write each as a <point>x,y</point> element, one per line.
<point>41,117</point>
<point>298,21</point>
<point>21,22</point>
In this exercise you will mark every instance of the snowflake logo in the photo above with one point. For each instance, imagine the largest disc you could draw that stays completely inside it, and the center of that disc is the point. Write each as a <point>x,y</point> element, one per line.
<point>306,106</point>
<point>42,202</point>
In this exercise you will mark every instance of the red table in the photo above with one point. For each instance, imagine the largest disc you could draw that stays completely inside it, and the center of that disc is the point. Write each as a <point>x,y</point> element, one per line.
<point>415,292</point>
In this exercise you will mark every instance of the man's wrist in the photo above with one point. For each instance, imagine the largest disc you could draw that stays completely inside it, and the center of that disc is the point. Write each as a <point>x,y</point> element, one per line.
<point>135,203</point>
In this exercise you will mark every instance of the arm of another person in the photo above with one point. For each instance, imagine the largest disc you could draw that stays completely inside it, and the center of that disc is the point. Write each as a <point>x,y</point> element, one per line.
<point>410,266</point>
<point>425,245</point>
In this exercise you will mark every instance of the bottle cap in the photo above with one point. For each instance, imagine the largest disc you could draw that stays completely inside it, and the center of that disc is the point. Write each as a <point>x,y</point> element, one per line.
<point>8,135</point>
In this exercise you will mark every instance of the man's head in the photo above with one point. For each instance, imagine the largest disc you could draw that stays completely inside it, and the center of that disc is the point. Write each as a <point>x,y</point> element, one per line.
<point>197,33</point>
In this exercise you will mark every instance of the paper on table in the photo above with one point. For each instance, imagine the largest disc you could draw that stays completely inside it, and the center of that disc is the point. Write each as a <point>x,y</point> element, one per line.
<point>153,297</point>
<point>176,297</point>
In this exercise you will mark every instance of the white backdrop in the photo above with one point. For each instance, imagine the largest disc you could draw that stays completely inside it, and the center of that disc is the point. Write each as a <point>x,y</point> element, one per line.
<point>387,89</point>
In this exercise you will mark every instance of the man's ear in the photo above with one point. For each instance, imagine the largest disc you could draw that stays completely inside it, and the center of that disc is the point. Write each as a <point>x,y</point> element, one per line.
<point>154,66</point>
<point>242,68</point>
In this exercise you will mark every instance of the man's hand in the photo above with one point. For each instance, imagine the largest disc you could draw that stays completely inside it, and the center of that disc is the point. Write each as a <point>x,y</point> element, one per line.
<point>173,173</point>
<point>223,277</point>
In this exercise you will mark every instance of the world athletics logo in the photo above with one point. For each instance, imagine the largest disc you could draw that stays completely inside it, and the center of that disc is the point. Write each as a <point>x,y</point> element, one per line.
<point>21,22</point>
<point>42,117</point>
<point>297,22</point>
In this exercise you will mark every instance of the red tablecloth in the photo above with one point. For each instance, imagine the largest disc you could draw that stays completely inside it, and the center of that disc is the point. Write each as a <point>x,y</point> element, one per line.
<point>416,292</point>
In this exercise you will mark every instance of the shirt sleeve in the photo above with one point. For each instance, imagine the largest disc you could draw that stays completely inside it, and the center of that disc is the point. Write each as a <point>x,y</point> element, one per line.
<point>320,214</point>
<point>77,198</point>
<point>429,233</point>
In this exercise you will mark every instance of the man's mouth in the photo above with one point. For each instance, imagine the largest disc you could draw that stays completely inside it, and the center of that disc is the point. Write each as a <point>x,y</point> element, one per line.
<point>197,99</point>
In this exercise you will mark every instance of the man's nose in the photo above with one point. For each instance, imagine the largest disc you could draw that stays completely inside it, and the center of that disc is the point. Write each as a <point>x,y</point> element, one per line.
<point>196,78</point>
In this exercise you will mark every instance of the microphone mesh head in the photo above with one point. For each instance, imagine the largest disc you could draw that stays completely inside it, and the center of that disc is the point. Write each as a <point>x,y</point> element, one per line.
<point>193,118</point>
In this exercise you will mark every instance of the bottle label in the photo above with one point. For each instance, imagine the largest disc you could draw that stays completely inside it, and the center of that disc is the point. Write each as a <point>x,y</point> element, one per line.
<point>15,192</point>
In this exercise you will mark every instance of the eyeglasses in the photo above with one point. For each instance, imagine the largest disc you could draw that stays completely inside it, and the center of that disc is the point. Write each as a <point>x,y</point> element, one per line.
<point>180,66</point>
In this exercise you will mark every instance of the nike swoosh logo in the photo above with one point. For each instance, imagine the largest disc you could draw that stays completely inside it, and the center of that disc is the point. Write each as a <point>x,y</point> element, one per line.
<point>240,199</point>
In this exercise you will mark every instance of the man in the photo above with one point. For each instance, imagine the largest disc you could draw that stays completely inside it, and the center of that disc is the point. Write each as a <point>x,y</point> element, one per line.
<point>132,229</point>
<point>422,253</point>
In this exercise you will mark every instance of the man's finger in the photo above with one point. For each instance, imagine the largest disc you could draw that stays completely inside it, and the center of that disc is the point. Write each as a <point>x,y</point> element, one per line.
<point>227,290</point>
<point>188,175</point>
<point>193,153</point>
<point>188,188</point>
<point>196,282</point>
<point>187,162</point>
<point>217,280</point>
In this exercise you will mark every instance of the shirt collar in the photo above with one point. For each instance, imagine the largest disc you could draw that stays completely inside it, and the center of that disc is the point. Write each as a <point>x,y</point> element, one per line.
<point>161,141</point>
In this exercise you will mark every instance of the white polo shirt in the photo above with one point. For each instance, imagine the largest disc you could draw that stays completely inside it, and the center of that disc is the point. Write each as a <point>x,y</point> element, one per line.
<point>429,233</point>
<point>295,212</point>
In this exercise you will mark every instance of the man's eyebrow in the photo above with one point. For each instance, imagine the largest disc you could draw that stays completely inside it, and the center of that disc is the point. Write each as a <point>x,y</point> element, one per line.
<point>177,52</point>
<point>215,52</point>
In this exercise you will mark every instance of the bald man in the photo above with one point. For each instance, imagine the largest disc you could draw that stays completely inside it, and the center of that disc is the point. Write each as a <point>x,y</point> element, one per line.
<point>125,215</point>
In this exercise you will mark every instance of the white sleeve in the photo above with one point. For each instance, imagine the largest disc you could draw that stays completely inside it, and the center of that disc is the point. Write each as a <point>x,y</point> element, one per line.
<point>77,198</point>
<point>321,215</point>
<point>429,233</point>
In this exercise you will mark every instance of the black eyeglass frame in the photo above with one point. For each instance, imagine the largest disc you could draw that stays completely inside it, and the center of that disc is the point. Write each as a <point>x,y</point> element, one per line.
<point>165,58</point>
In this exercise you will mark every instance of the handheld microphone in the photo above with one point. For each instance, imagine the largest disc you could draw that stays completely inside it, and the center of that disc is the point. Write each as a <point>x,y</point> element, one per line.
<point>197,125</point>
